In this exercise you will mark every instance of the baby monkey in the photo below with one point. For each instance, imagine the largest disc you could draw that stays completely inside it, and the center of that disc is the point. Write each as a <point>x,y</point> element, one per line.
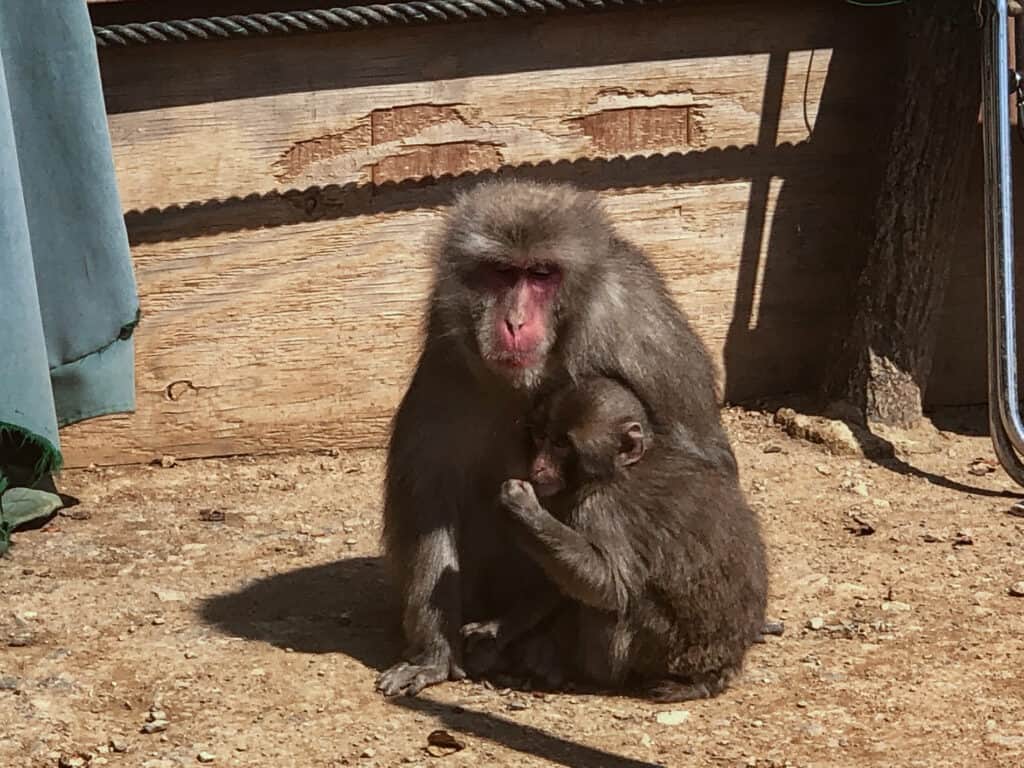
<point>657,559</point>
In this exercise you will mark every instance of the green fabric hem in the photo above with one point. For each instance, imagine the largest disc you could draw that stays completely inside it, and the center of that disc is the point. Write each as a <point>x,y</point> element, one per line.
<point>48,458</point>
<point>124,333</point>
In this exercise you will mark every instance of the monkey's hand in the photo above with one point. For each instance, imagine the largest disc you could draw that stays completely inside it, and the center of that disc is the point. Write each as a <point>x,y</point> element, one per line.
<point>519,498</point>
<point>409,678</point>
<point>483,646</point>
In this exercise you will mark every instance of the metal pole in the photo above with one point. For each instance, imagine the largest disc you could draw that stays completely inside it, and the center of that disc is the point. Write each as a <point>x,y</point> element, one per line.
<point>1005,423</point>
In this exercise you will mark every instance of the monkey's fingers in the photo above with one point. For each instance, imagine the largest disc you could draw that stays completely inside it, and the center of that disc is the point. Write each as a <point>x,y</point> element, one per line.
<point>409,679</point>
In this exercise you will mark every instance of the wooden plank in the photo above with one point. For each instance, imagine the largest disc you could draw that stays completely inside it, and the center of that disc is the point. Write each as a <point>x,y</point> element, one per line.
<point>278,320</point>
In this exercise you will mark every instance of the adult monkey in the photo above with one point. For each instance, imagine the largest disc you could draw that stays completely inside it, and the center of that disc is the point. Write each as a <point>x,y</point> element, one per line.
<point>532,286</point>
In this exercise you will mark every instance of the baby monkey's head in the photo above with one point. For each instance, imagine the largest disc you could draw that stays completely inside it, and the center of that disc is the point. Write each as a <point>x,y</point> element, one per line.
<point>591,432</point>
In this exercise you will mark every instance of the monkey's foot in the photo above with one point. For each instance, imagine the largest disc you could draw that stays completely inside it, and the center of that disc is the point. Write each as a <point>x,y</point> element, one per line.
<point>482,650</point>
<point>541,663</point>
<point>407,679</point>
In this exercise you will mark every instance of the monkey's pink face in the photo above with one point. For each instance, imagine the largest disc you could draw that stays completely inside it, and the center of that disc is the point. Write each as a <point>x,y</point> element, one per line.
<point>518,332</point>
<point>547,473</point>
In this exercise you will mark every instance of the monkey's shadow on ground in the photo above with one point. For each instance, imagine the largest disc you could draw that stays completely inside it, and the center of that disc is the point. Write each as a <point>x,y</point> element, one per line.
<point>339,607</point>
<point>347,607</point>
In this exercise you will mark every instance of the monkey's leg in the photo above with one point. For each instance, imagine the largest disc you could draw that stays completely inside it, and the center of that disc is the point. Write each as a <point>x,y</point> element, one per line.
<point>569,560</point>
<point>487,640</point>
<point>430,617</point>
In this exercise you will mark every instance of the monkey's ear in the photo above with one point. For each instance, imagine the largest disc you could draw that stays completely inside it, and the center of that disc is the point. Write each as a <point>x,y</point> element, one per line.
<point>632,443</point>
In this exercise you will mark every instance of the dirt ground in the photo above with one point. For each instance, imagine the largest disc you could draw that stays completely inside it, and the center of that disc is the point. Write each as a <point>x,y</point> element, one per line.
<point>244,601</point>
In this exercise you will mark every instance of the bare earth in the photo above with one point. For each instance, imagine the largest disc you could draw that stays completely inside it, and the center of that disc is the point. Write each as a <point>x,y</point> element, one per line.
<point>258,636</point>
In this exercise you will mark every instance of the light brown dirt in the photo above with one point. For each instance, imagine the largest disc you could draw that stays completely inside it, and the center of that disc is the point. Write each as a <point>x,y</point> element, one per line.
<point>260,636</point>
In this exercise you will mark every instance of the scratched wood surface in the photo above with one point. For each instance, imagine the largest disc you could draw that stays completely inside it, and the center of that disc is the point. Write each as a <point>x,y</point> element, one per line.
<point>280,196</point>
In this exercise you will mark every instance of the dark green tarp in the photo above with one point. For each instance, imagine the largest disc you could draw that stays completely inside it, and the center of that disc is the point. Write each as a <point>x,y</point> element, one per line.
<point>68,302</point>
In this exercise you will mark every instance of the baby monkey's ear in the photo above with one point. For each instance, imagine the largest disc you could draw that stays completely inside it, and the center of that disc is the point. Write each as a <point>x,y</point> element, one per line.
<point>632,444</point>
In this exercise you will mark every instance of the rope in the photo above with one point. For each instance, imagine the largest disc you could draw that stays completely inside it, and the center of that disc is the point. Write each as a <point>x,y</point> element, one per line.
<point>328,19</point>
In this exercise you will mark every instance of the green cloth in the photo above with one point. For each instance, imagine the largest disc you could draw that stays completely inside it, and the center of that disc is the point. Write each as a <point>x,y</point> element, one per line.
<point>68,301</point>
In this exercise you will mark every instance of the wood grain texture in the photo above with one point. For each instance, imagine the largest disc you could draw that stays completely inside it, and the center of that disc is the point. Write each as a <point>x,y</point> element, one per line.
<point>281,196</point>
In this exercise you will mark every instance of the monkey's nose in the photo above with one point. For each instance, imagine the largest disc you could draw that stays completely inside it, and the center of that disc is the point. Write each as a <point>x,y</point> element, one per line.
<point>514,326</point>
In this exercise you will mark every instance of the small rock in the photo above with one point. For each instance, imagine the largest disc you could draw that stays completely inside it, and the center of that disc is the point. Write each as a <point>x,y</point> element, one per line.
<point>860,524</point>
<point>821,469</point>
<point>190,654</point>
<point>516,705</point>
<point>931,538</point>
<point>206,757</point>
<point>211,515</point>
<point>771,448</point>
<point>441,743</point>
<point>167,462</point>
<point>774,627</point>
<point>8,683</point>
<point>368,752</point>
<point>963,539</point>
<point>158,621</point>
<point>169,595</point>
<point>155,726</point>
<point>982,467</point>
<point>861,489</point>
<point>118,745</point>
<point>813,729</point>
<point>816,623</point>
<point>894,606</point>
<point>1017,510</point>
<point>350,541</point>
<point>156,714</point>
<point>1017,589</point>
<point>673,717</point>
<point>75,761</point>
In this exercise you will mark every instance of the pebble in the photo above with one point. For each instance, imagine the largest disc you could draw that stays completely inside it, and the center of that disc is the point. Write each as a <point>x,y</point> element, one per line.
<point>167,462</point>
<point>813,729</point>
<point>155,726</point>
<point>156,714</point>
<point>368,752</point>
<point>71,762</point>
<point>517,706</point>
<point>158,621</point>
<point>206,757</point>
<point>8,683</point>
<point>894,606</point>
<point>816,623</point>
<point>190,654</point>
<point>1017,589</point>
<point>673,717</point>
<point>823,470</point>
<point>118,745</point>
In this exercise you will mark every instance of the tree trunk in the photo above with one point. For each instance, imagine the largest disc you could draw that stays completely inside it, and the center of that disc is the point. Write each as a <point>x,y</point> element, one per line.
<point>887,354</point>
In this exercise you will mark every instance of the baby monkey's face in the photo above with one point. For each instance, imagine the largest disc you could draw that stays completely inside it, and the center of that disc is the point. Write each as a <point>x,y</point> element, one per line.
<point>584,434</point>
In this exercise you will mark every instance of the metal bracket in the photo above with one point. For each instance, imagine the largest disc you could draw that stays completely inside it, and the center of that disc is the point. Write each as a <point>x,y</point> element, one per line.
<point>1004,416</point>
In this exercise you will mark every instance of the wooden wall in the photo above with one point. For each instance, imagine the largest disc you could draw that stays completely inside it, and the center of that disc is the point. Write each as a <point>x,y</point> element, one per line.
<point>280,195</point>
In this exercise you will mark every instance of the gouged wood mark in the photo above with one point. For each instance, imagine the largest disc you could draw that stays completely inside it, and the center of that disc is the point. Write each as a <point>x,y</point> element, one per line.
<point>302,154</point>
<point>437,160</point>
<point>622,131</point>
<point>405,121</point>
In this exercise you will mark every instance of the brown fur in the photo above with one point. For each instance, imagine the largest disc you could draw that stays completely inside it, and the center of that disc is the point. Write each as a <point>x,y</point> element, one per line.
<point>661,555</point>
<point>459,431</point>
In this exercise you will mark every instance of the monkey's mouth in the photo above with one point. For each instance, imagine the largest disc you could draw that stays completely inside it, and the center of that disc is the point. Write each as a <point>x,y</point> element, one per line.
<point>515,362</point>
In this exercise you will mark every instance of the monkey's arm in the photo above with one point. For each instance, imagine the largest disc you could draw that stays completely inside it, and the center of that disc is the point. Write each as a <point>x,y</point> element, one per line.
<point>573,563</point>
